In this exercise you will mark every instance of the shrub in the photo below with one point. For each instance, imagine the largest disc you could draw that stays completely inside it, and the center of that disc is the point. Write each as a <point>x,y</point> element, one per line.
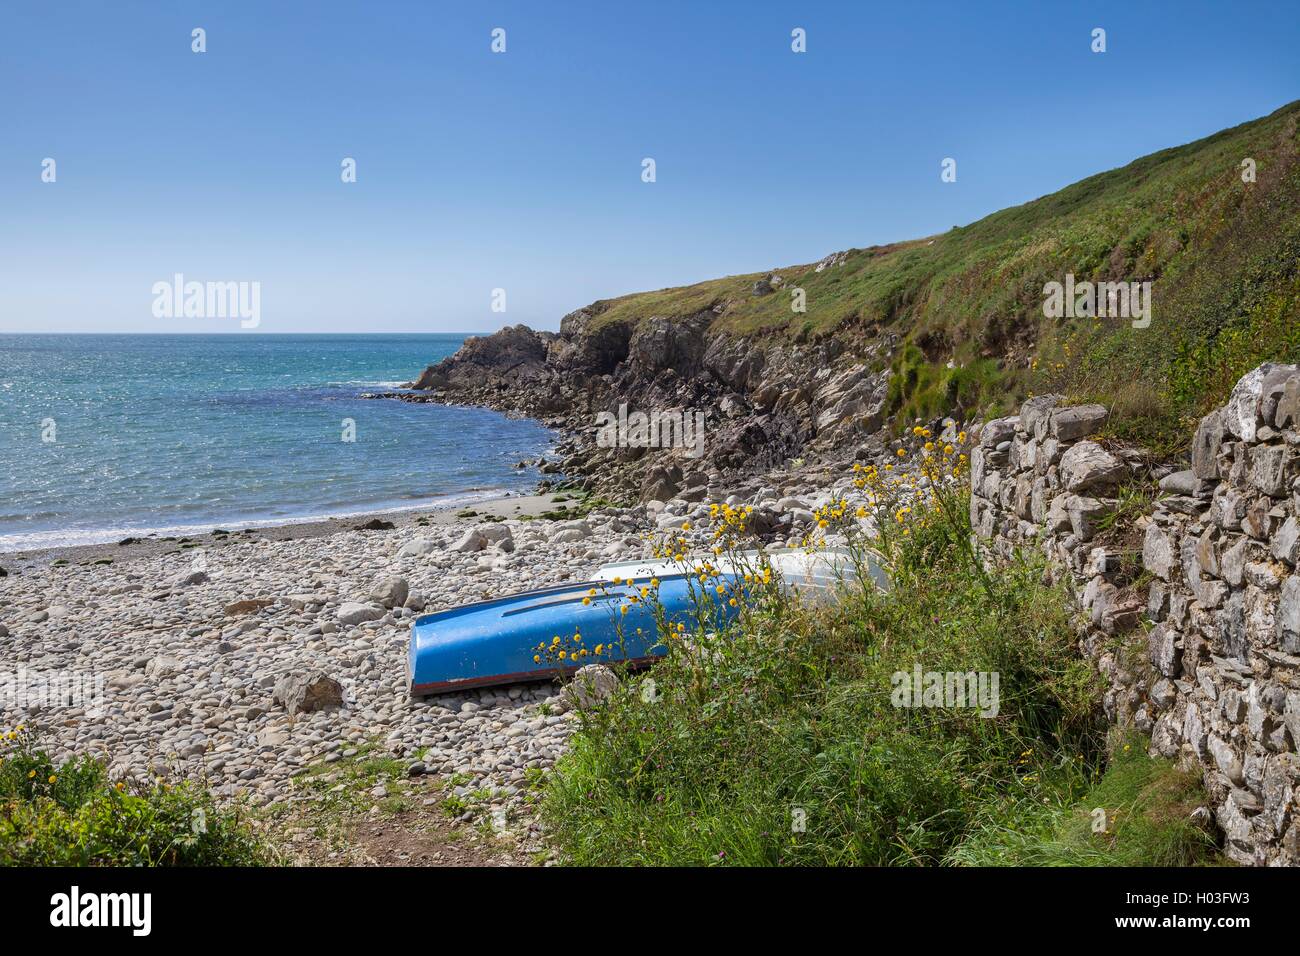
<point>72,815</point>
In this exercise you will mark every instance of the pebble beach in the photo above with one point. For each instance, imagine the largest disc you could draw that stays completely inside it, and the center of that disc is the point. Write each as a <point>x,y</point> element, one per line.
<point>191,638</point>
<point>190,643</point>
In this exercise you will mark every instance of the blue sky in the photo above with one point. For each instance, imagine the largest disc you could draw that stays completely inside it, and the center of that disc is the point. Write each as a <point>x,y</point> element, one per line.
<point>522,170</point>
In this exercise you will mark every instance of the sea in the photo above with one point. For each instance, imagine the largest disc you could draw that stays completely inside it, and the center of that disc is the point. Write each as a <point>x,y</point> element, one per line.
<point>111,436</point>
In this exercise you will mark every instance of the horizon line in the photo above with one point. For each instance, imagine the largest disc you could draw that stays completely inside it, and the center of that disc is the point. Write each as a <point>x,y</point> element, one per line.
<point>252,333</point>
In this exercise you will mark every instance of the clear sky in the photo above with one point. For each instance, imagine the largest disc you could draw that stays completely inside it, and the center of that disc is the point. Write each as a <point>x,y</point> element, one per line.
<point>522,170</point>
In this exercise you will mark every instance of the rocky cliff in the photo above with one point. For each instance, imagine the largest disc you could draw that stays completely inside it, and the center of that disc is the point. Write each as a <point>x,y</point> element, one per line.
<point>764,399</point>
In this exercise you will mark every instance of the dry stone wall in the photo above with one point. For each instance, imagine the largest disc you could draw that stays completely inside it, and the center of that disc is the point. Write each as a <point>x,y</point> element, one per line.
<point>1191,610</point>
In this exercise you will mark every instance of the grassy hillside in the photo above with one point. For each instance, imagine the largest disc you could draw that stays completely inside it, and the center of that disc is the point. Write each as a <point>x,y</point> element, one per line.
<point>1222,255</point>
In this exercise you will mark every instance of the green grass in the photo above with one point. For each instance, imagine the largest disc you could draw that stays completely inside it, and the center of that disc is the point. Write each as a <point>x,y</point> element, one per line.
<point>71,815</point>
<point>778,743</point>
<point>1137,814</point>
<point>1223,256</point>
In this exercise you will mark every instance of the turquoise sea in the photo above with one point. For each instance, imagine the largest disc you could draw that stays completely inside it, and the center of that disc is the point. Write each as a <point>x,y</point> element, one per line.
<point>103,436</point>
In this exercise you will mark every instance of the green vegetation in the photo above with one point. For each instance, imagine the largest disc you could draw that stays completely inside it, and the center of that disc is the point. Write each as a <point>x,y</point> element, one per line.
<point>1223,256</point>
<point>345,787</point>
<point>583,504</point>
<point>71,815</point>
<point>780,741</point>
<point>1137,814</point>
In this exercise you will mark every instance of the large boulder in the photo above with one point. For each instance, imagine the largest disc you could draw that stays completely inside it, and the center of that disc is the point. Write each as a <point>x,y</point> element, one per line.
<point>591,685</point>
<point>471,541</point>
<point>351,613</point>
<point>566,532</point>
<point>417,547</point>
<point>497,533</point>
<point>390,592</point>
<point>307,691</point>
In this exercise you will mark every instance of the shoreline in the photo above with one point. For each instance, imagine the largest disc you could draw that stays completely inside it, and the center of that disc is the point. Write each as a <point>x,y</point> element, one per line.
<point>176,650</point>
<point>503,505</point>
<point>189,641</point>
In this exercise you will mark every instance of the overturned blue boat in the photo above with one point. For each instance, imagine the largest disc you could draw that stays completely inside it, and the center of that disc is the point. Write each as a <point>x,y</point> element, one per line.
<point>548,633</point>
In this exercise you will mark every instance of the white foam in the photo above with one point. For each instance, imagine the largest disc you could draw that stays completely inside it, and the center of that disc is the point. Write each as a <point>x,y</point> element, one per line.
<point>72,537</point>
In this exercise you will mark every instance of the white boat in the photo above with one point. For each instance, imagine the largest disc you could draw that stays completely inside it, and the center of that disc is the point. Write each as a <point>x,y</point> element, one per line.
<point>816,575</point>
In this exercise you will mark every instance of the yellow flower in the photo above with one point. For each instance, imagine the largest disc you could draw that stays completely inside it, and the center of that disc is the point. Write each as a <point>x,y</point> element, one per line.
<point>536,659</point>
<point>53,778</point>
<point>902,453</point>
<point>586,600</point>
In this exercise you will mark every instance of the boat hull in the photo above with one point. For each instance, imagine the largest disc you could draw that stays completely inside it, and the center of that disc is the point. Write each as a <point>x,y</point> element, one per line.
<point>497,642</point>
<point>817,575</point>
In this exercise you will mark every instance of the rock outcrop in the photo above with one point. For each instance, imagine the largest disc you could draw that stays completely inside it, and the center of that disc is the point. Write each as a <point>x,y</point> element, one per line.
<point>763,399</point>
